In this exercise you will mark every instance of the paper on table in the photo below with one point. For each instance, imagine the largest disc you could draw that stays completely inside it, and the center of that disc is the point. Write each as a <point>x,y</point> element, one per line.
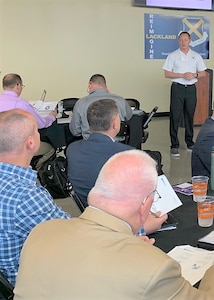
<point>194,261</point>
<point>209,238</point>
<point>169,199</point>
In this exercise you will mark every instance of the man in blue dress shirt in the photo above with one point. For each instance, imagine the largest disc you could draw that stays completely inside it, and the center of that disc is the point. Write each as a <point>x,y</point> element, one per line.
<point>23,203</point>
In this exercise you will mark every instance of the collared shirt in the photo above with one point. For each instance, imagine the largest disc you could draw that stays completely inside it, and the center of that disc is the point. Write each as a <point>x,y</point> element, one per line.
<point>141,232</point>
<point>178,62</point>
<point>79,124</point>
<point>10,100</point>
<point>23,205</point>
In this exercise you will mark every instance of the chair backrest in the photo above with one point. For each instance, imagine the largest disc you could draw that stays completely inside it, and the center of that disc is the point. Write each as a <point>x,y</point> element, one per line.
<point>77,201</point>
<point>6,288</point>
<point>134,103</point>
<point>68,103</point>
<point>124,133</point>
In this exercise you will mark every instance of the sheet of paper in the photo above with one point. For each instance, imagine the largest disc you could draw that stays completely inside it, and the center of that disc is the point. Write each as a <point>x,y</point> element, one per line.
<point>209,238</point>
<point>44,106</point>
<point>194,261</point>
<point>169,199</point>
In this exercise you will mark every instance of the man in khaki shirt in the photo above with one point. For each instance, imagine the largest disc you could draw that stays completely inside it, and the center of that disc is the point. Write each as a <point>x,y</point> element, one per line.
<point>97,256</point>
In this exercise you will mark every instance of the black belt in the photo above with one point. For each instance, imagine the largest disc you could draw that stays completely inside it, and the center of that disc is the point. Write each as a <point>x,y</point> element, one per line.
<point>184,85</point>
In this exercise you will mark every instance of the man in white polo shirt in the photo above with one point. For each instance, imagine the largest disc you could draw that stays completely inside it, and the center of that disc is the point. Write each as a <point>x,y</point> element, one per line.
<point>183,66</point>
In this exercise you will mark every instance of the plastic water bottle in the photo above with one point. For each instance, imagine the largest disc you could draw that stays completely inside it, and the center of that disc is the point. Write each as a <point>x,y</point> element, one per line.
<point>212,169</point>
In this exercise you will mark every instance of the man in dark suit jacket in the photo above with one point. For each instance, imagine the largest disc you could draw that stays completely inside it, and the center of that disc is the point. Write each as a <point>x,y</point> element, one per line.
<point>86,157</point>
<point>201,153</point>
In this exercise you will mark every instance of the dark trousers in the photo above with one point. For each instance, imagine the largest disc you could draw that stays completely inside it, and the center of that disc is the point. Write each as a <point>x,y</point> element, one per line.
<point>182,103</point>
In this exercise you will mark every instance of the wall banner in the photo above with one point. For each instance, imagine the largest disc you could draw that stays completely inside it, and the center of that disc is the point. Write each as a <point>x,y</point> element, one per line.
<point>161,34</point>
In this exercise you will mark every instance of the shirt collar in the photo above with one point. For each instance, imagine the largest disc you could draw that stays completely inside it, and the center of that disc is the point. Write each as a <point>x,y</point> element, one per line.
<point>12,93</point>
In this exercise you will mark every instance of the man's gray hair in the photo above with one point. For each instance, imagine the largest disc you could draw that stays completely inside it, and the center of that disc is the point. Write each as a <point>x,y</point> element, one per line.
<point>101,113</point>
<point>15,127</point>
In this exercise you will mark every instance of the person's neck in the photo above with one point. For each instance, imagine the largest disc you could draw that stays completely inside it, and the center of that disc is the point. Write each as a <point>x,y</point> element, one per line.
<point>14,159</point>
<point>185,51</point>
<point>11,90</point>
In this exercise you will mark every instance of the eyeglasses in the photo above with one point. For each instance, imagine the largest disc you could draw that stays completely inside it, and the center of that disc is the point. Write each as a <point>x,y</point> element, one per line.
<point>154,195</point>
<point>22,85</point>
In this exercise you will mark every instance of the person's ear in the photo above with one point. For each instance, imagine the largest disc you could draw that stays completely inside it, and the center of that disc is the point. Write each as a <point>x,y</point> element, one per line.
<point>29,143</point>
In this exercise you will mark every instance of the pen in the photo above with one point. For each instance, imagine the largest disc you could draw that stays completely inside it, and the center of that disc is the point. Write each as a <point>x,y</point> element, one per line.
<point>154,214</point>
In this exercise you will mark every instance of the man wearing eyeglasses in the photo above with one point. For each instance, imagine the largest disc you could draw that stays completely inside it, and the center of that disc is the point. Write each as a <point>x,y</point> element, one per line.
<point>10,99</point>
<point>98,256</point>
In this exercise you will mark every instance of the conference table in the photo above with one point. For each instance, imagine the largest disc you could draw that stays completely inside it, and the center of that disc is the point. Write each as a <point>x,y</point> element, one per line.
<point>187,232</point>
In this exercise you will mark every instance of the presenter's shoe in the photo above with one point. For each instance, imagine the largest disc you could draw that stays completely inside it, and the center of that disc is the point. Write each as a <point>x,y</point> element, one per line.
<point>174,152</point>
<point>190,148</point>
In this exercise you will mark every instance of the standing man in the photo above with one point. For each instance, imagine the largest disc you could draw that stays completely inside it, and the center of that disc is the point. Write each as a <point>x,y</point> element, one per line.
<point>183,66</point>
<point>98,90</point>
<point>10,99</point>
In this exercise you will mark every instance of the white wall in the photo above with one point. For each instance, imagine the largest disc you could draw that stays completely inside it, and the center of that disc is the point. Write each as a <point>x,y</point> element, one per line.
<point>58,44</point>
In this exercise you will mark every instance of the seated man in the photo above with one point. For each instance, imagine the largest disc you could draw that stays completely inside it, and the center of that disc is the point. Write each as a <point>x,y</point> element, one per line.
<point>10,99</point>
<point>23,203</point>
<point>97,90</point>
<point>97,255</point>
<point>201,153</point>
<point>86,157</point>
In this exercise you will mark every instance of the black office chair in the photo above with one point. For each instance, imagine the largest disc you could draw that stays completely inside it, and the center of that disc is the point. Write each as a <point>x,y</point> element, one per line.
<point>66,104</point>
<point>6,288</point>
<point>124,133</point>
<point>147,118</point>
<point>134,103</point>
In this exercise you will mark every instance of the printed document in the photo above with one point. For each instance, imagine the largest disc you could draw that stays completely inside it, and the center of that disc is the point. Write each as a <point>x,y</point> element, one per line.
<point>167,200</point>
<point>43,108</point>
<point>194,261</point>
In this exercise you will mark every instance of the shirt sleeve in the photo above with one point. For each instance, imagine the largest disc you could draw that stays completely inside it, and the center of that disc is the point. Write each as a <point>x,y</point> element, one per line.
<point>75,124</point>
<point>129,111</point>
<point>200,64</point>
<point>35,207</point>
<point>168,64</point>
<point>43,122</point>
